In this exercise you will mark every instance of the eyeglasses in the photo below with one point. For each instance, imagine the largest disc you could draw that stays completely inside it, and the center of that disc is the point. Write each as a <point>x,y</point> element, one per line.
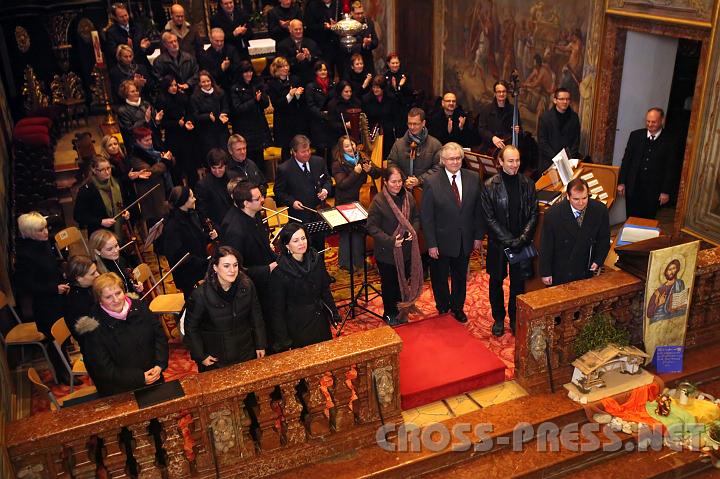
<point>564,98</point>
<point>102,170</point>
<point>453,158</point>
<point>259,198</point>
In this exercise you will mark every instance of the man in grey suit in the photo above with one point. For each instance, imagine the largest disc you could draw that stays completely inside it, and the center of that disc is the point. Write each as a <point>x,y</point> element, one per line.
<point>453,226</point>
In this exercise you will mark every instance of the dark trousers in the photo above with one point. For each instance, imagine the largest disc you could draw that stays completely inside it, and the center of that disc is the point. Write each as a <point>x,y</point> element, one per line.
<point>456,268</point>
<point>391,295</point>
<point>641,202</point>
<point>497,298</point>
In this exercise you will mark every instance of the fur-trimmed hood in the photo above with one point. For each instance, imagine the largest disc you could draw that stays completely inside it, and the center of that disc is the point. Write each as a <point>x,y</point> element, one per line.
<point>86,324</point>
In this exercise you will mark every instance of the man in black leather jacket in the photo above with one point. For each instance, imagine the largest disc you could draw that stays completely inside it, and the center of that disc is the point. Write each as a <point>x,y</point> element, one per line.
<point>509,206</point>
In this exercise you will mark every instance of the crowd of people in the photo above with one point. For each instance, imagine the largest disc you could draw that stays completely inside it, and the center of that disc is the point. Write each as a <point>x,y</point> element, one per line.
<point>194,129</point>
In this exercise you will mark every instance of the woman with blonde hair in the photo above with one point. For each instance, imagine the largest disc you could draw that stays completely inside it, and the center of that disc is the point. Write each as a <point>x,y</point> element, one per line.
<point>288,101</point>
<point>105,248</point>
<point>124,346</point>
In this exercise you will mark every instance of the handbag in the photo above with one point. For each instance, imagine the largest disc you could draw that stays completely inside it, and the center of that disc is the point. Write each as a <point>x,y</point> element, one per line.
<point>525,254</point>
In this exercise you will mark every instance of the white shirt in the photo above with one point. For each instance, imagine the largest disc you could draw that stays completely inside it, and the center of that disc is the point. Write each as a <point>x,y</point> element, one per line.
<point>300,164</point>
<point>458,180</point>
<point>576,213</point>
<point>656,135</point>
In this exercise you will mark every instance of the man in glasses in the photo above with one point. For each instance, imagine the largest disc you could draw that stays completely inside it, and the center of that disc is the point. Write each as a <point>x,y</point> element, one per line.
<point>558,128</point>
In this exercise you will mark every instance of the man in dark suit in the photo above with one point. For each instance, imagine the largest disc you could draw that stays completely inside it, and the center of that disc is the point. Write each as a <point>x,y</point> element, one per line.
<point>575,237</point>
<point>648,167</point>
<point>558,128</point>
<point>453,228</point>
<point>235,22</point>
<point>243,229</point>
<point>221,60</point>
<point>300,52</point>
<point>124,32</point>
<point>509,206</point>
<point>495,120</point>
<point>303,182</point>
<point>448,122</point>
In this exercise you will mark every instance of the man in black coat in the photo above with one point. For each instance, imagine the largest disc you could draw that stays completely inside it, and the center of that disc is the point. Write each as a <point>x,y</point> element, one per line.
<point>453,227</point>
<point>558,128</point>
<point>300,52</point>
<point>495,120</point>
<point>303,181</point>
<point>124,32</point>
<point>221,60</point>
<point>176,63</point>
<point>278,19</point>
<point>575,237</point>
<point>509,206</point>
<point>648,167</point>
<point>238,165</point>
<point>320,15</point>
<point>448,123</point>
<point>243,229</point>
<point>213,200</point>
<point>365,41</point>
<point>235,22</point>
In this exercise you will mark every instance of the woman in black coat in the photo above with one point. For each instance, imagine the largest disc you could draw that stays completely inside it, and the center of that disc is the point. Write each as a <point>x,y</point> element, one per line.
<point>100,199</point>
<point>105,247</point>
<point>317,96</point>
<point>81,272</point>
<point>178,129</point>
<point>127,69</point>
<point>249,101</point>
<point>301,305</point>
<point>289,111</point>
<point>183,233</point>
<point>224,324</point>
<point>124,345</point>
<point>209,109</point>
<point>383,109</point>
<point>398,81</point>
<point>37,272</point>
<point>340,106</point>
<point>391,238</point>
<point>358,75</point>
<point>135,112</point>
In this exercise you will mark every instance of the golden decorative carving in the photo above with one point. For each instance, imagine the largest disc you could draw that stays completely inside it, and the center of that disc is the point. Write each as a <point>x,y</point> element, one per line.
<point>66,87</point>
<point>57,26</point>
<point>22,38</point>
<point>538,343</point>
<point>32,91</point>
<point>223,429</point>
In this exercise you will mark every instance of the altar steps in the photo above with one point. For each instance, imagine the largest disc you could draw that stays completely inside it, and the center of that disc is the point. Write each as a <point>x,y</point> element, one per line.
<point>702,366</point>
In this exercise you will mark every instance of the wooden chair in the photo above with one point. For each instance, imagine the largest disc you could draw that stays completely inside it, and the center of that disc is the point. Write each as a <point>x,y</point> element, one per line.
<point>173,303</point>
<point>70,238</point>
<point>55,403</point>
<point>24,334</point>
<point>61,333</point>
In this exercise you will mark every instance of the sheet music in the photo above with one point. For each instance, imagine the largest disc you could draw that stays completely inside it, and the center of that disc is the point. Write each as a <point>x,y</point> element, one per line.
<point>333,217</point>
<point>562,163</point>
<point>352,212</point>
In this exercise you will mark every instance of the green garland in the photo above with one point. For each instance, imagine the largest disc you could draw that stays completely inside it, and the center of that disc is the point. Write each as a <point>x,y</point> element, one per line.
<point>598,333</point>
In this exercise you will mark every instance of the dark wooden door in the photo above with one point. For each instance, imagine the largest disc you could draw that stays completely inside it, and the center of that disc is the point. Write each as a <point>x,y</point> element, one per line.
<point>414,39</point>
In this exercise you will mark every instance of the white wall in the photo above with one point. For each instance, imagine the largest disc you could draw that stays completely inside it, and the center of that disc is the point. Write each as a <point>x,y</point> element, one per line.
<point>646,81</point>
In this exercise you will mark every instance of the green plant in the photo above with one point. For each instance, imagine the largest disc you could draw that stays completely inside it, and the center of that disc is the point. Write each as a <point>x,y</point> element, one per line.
<point>598,333</point>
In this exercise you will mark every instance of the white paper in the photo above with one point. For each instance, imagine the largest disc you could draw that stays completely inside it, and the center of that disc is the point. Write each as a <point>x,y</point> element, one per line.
<point>562,163</point>
<point>631,234</point>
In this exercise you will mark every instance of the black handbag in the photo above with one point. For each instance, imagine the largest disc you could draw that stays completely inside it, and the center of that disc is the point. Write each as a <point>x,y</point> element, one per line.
<point>525,254</point>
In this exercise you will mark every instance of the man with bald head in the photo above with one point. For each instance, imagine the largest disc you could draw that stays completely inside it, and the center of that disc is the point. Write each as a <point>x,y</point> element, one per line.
<point>221,60</point>
<point>188,36</point>
<point>448,122</point>
<point>648,169</point>
<point>176,63</point>
<point>301,52</point>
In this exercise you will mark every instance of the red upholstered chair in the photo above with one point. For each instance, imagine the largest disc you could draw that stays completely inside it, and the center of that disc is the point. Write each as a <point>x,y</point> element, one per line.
<point>21,130</point>
<point>32,139</point>
<point>35,120</point>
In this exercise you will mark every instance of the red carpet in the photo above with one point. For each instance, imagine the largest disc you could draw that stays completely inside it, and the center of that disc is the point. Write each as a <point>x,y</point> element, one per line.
<point>440,359</point>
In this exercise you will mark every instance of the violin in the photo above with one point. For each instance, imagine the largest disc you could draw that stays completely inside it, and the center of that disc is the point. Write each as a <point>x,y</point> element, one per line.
<point>130,234</point>
<point>213,244</point>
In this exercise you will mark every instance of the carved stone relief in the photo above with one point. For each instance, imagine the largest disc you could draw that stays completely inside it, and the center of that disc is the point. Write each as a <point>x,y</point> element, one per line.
<point>223,429</point>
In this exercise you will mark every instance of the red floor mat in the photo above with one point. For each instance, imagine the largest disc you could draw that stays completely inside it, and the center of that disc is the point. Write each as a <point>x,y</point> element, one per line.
<point>440,359</point>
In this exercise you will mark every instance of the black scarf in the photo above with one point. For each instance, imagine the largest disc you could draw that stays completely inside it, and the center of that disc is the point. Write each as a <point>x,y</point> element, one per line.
<point>299,269</point>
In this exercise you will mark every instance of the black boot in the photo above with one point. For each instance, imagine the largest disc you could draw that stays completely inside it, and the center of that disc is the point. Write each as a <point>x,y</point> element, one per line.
<point>498,329</point>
